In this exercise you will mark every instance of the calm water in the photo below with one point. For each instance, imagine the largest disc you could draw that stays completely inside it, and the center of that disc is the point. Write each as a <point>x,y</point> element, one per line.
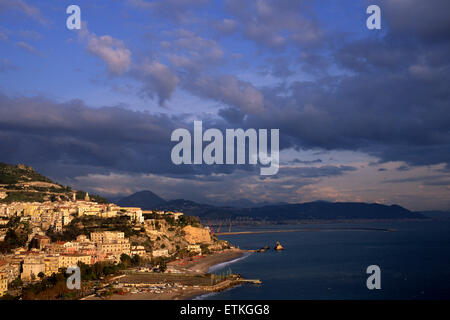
<point>414,262</point>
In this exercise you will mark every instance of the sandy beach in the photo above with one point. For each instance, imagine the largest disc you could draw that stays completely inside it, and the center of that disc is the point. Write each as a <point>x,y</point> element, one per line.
<point>197,266</point>
<point>201,265</point>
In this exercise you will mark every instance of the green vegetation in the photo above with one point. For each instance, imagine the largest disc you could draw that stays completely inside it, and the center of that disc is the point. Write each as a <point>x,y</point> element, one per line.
<point>10,174</point>
<point>16,180</point>
<point>24,197</point>
<point>182,221</point>
<point>16,235</point>
<point>126,261</point>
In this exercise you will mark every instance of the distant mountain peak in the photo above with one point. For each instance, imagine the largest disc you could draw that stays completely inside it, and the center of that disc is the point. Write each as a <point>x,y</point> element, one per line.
<point>144,199</point>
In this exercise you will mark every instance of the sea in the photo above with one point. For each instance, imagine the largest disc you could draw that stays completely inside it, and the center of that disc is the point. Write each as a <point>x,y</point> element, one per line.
<point>330,260</point>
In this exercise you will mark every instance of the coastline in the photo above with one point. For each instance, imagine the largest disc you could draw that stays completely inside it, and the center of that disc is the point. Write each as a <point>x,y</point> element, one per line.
<point>203,264</point>
<point>198,266</point>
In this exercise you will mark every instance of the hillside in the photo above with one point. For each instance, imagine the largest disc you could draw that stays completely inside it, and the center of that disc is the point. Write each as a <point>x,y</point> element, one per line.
<point>317,210</point>
<point>21,183</point>
<point>12,175</point>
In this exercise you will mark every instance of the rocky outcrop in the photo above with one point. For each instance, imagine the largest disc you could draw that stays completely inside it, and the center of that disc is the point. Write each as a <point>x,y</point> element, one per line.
<point>197,235</point>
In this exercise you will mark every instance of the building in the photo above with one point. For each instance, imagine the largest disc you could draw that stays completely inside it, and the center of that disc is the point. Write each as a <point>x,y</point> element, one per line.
<point>106,236</point>
<point>135,214</point>
<point>69,260</point>
<point>138,250</point>
<point>177,215</point>
<point>194,248</point>
<point>42,242</point>
<point>51,264</point>
<point>11,268</point>
<point>32,267</point>
<point>115,247</point>
<point>160,253</point>
<point>3,284</point>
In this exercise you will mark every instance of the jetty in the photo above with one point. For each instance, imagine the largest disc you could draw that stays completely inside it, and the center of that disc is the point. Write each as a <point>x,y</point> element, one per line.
<point>253,281</point>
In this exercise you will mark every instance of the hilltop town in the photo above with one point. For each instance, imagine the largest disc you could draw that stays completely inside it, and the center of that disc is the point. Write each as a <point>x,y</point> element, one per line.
<point>39,240</point>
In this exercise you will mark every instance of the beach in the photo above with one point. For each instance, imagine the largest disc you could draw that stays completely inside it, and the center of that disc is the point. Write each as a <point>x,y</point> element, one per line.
<point>203,264</point>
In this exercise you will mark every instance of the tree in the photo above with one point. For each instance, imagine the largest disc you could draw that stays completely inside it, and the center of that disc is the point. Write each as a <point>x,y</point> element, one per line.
<point>162,266</point>
<point>136,260</point>
<point>17,283</point>
<point>125,259</point>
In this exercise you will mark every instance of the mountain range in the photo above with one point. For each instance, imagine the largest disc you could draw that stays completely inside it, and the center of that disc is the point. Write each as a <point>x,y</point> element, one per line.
<point>320,210</point>
<point>23,183</point>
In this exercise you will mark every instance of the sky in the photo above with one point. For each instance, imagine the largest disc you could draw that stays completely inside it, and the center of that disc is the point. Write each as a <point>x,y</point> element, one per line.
<point>364,115</point>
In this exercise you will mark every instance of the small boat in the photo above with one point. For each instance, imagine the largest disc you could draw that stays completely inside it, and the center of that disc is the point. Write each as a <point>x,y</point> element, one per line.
<point>278,246</point>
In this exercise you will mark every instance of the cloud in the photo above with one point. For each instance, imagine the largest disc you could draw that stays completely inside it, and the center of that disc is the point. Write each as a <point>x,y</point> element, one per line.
<point>187,51</point>
<point>298,161</point>
<point>70,138</point>
<point>27,47</point>
<point>390,101</point>
<point>226,26</point>
<point>158,78</point>
<point>431,180</point>
<point>112,51</point>
<point>155,76</point>
<point>21,6</point>
<point>276,23</point>
<point>72,135</point>
<point>178,10</point>
<point>230,90</point>
<point>316,172</point>
<point>428,20</point>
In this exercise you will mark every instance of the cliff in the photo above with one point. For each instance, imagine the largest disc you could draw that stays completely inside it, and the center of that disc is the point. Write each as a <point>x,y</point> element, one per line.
<point>197,235</point>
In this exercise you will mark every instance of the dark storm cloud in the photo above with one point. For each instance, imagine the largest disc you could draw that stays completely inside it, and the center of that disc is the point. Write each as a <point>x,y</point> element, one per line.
<point>426,19</point>
<point>71,139</point>
<point>394,103</point>
<point>76,137</point>
<point>403,168</point>
<point>298,161</point>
